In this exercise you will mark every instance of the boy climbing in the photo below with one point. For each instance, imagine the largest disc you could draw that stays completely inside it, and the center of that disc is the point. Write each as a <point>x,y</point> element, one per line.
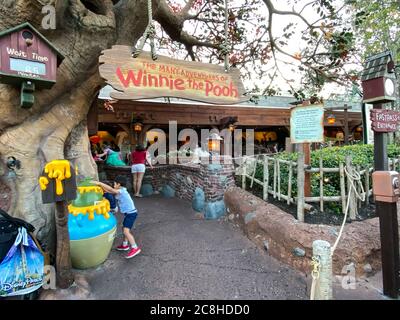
<point>127,208</point>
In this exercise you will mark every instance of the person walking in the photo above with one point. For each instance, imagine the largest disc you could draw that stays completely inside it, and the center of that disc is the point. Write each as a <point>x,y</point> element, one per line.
<point>139,157</point>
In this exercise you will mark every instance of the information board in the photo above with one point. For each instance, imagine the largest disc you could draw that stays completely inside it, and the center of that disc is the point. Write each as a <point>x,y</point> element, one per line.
<point>307,124</point>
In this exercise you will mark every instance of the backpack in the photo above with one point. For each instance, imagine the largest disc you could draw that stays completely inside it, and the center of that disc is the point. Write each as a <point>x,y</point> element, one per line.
<point>9,231</point>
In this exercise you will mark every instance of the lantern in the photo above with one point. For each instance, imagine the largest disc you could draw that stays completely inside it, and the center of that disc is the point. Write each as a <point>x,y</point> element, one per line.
<point>137,127</point>
<point>214,142</point>
<point>331,119</point>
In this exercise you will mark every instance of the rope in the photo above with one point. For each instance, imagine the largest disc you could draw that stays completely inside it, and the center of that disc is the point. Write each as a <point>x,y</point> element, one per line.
<point>353,176</point>
<point>355,179</point>
<point>315,263</point>
<point>149,33</point>
<point>225,47</point>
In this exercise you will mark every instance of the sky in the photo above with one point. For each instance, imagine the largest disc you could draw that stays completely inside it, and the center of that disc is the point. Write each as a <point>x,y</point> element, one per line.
<point>295,45</point>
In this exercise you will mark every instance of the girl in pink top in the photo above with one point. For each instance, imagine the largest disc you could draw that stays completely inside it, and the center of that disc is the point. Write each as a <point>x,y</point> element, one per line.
<point>139,157</point>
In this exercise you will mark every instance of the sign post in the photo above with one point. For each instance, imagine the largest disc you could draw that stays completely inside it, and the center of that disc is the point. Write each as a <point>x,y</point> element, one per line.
<point>306,126</point>
<point>58,184</point>
<point>378,80</point>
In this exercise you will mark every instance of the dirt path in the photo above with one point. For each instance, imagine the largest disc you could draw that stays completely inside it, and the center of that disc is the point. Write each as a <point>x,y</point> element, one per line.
<point>187,258</point>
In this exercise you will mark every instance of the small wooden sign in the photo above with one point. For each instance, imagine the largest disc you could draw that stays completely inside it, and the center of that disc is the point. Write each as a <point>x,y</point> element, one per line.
<point>384,120</point>
<point>307,124</point>
<point>56,190</point>
<point>142,77</point>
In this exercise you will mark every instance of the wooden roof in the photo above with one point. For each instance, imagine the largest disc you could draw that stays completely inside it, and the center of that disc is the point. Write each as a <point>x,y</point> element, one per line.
<point>376,66</point>
<point>205,115</point>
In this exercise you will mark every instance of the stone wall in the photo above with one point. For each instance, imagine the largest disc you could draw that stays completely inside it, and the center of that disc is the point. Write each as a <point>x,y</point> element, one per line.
<point>290,241</point>
<point>203,184</point>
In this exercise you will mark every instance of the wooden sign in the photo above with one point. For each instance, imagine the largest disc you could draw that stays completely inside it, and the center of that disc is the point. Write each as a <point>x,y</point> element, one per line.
<point>307,124</point>
<point>58,182</point>
<point>26,55</point>
<point>142,77</point>
<point>384,120</point>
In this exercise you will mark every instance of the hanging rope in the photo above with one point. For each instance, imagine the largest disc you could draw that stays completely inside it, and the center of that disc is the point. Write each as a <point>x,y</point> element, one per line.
<point>354,178</point>
<point>149,33</point>
<point>225,47</point>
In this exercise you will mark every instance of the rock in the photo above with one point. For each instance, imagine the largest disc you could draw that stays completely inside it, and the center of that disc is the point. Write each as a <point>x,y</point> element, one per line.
<point>249,216</point>
<point>199,200</point>
<point>298,252</point>
<point>333,231</point>
<point>147,190</point>
<point>368,268</point>
<point>266,245</point>
<point>214,210</point>
<point>360,241</point>
<point>167,191</point>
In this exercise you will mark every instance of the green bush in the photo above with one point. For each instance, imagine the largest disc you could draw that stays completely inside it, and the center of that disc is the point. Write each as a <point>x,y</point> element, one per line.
<point>362,156</point>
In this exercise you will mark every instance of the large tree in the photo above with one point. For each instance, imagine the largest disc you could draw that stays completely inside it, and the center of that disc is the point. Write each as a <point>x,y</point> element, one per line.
<point>55,127</point>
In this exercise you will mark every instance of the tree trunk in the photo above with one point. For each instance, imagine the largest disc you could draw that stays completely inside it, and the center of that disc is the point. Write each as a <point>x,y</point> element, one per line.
<point>65,277</point>
<point>55,127</point>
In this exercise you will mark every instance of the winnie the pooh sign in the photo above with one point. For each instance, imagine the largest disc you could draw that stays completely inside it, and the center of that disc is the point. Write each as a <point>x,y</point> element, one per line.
<point>142,77</point>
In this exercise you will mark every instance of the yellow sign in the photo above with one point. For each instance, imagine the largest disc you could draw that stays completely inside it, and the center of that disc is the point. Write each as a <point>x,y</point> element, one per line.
<point>141,77</point>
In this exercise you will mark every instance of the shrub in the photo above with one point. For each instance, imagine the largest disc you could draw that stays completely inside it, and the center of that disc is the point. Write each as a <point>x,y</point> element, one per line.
<point>362,156</point>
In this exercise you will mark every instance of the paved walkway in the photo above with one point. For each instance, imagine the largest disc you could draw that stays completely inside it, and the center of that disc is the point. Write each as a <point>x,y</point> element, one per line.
<point>184,257</point>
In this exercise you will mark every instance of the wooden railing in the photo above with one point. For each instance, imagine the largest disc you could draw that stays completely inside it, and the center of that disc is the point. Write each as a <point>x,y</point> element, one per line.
<point>273,186</point>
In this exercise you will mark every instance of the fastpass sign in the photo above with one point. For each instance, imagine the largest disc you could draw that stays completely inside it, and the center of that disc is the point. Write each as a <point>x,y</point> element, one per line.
<point>141,77</point>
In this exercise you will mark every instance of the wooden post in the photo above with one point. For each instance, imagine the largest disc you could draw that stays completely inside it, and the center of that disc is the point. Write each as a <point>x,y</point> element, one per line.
<point>307,176</point>
<point>322,249</point>
<point>387,213</point>
<point>321,184</point>
<point>275,170</point>
<point>398,164</point>
<point>342,187</point>
<point>278,169</point>
<point>254,172</point>
<point>358,200</point>
<point>244,175</point>
<point>353,203</point>
<point>266,178</point>
<point>300,186</point>
<point>389,231</point>
<point>65,277</point>
<point>366,185</point>
<point>290,182</point>
<point>346,126</point>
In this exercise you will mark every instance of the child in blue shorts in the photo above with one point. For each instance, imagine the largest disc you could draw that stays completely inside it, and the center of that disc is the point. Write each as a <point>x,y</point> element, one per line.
<point>128,209</point>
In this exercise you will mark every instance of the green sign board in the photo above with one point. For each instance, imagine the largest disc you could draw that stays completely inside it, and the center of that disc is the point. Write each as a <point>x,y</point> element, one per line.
<point>307,124</point>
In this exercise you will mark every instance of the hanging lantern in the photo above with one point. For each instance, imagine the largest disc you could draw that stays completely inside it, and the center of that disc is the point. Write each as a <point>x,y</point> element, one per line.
<point>137,127</point>
<point>214,142</point>
<point>331,119</point>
